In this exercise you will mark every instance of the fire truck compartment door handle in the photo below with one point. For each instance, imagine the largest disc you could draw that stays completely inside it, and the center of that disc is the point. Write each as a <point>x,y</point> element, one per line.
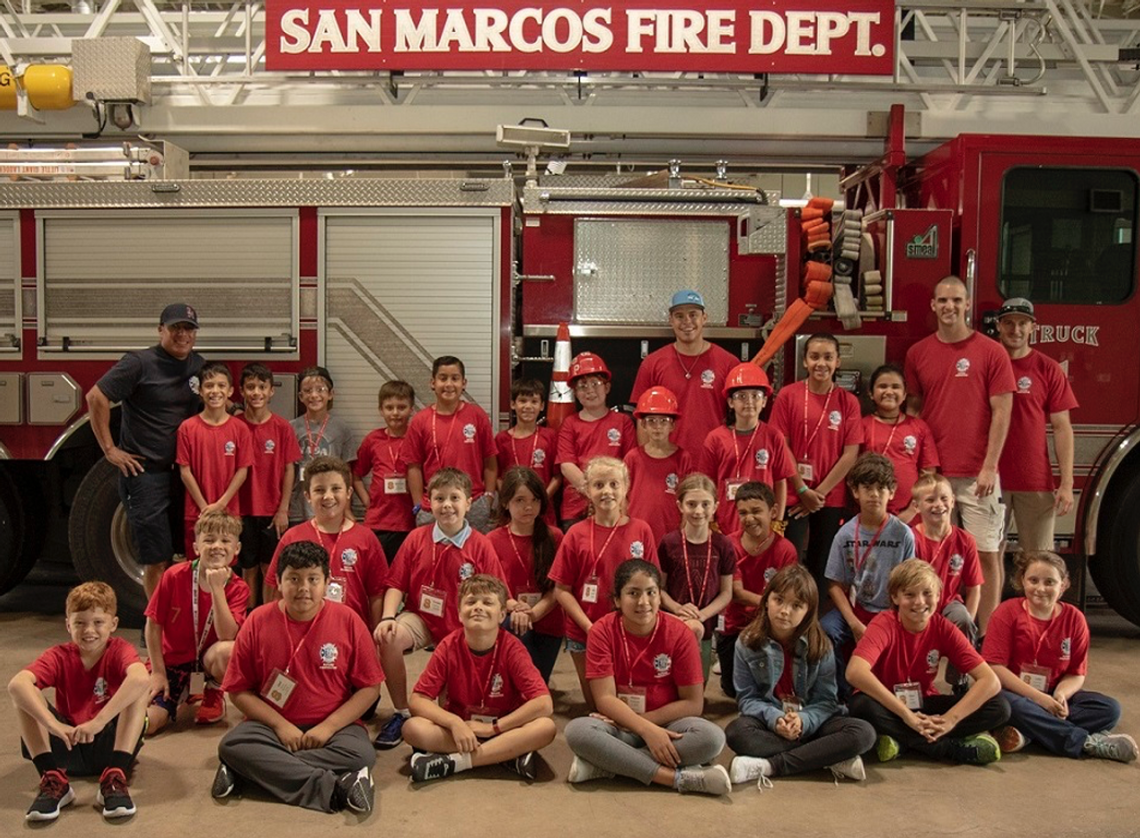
<point>587,269</point>
<point>971,277</point>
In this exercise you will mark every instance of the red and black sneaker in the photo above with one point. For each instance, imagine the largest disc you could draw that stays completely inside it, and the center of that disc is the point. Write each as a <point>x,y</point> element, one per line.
<point>114,794</point>
<point>55,793</point>
<point>213,707</point>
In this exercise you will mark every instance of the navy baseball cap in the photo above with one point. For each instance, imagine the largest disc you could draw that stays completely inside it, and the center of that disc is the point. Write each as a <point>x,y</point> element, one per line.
<point>1017,305</point>
<point>179,313</point>
<point>687,298</point>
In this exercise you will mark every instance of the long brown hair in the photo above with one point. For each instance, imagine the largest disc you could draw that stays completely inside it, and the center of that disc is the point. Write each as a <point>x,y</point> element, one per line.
<point>796,582</point>
<point>542,543</point>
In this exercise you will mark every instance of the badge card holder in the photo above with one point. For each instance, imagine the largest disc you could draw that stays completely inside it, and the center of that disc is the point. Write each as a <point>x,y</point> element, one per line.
<point>590,590</point>
<point>529,598</point>
<point>337,588</point>
<point>807,472</point>
<point>197,682</point>
<point>431,600</point>
<point>731,487</point>
<point>720,624</point>
<point>910,694</point>
<point>1036,676</point>
<point>484,715</point>
<point>395,484</point>
<point>278,687</point>
<point>634,698</point>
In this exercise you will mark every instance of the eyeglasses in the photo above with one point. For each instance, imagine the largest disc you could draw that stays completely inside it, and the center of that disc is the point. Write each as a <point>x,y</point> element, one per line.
<point>748,395</point>
<point>314,391</point>
<point>658,420</point>
<point>588,383</point>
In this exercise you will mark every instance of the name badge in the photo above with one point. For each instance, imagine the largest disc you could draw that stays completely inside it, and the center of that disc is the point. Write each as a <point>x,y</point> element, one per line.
<point>529,598</point>
<point>1035,676</point>
<point>278,688</point>
<point>807,473</point>
<point>197,683</point>
<point>431,601</point>
<point>336,589</point>
<point>791,704</point>
<point>910,694</point>
<point>300,474</point>
<point>482,714</point>
<point>590,590</point>
<point>395,485</point>
<point>634,698</point>
<point>731,487</point>
<point>720,624</point>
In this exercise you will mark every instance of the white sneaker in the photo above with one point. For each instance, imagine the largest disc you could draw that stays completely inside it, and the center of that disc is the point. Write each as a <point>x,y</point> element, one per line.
<point>852,769</point>
<point>716,667</point>
<point>747,769</point>
<point>582,771</point>
<point>703,779</point>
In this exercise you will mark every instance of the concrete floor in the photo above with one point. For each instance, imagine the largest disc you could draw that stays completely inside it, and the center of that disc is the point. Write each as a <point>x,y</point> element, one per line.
<point>1024,794</point>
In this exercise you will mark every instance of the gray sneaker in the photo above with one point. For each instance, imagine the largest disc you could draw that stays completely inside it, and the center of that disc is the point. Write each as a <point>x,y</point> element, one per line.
<point>1116,746</point>
<point>851,769</point>
<point>704,779</point>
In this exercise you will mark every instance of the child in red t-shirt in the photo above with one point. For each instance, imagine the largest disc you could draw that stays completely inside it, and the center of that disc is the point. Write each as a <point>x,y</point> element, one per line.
<point>386,498</point>
<point>528,444</point>
<point>590,553</point>
<point>656,467</point>
<point>526,547</point>
<point>191,622</point>
<point>594,431</point>
<point>498,708</point>
<point>904,440</point>
<point>893,669</point>
<point>760,552</point>
<point>358,568</point>
<point>424,580</point>
<point>697,564</point>
<point>265,494</point>
<point>644,670</point>
<point>1039,646</point>
<point>96,724</point>
<point>303,671</point>
<point>746,449</point>
<point>215,451</point>
<point>452,433</point>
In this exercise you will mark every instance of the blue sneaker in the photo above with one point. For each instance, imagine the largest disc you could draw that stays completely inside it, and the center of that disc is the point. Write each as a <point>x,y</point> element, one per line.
<point>390,734</point>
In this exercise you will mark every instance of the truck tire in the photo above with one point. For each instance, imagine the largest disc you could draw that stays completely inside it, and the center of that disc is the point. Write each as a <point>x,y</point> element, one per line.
<point>101,544</point>
<point>1116,566</point>
<point>14,560</point>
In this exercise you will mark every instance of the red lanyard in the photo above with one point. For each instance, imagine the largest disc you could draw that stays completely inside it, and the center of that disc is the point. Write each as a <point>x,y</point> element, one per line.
<point>194,608</point>
<point>533,447</point>
<point>490,672</point>
<point>450,430</point>
<point>874,423</point>
<point>747,450</point>
<point>308,631</point>
<point>941,546</point>
<point>870,545</point>
<point>1039,639</point>
<point>525,568</point>
<point>917,639</point>
<point>599,553</point>
<point>321,539</point>
<point>437,557</point>
<point>823,414</point>
<point>688,576</point>
<point>314,446</point>
<point>625,647</point>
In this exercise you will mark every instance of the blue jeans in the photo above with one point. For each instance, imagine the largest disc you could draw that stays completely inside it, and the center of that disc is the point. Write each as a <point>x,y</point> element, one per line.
<point>1089,712</point>
<point>836,628</point>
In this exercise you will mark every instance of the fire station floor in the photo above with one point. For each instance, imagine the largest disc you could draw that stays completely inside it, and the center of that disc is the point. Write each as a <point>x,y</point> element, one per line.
<point>1029,793</point>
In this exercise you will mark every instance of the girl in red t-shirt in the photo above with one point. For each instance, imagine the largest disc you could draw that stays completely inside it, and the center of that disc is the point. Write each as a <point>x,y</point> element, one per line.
<point>526,545</point>
<point>645,674</point>
<point>1038,646</point>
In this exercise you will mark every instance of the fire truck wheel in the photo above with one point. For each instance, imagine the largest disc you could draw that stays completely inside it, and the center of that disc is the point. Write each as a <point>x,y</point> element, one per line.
<point>14,561</point>
<point>100,539</point>
<point>1116,570</point>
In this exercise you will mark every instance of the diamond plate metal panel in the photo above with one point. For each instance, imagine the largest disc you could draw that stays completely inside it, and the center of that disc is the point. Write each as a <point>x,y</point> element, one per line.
<point>642,202</point>
<point>111,69</point>
<point>438,192</point>
<point>625,271</point>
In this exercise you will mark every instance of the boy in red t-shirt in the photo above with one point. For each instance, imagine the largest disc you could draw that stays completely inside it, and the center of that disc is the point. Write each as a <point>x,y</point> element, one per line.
<point>498,707</point>
<point>303,671</point>
<point>656,467</point>
<point>386,499</point>
<point>452,433</point>
<point>358,568</point>
<point>528,444</point>
<point>425,580</point>
<point>191,623</point>
<point>96,724</point>
<point>214,451</point>
<point>265,494</point>
<point>893,669</point>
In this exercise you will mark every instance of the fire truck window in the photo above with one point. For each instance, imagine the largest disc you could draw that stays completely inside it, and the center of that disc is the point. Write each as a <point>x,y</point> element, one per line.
<point>1067,235</point>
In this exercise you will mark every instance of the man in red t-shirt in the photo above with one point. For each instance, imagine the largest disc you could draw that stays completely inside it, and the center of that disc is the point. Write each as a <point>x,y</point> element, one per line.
<point>497,708</point>
<point>961,383</point>
<point>1043,395</point>
<point>692,368</point>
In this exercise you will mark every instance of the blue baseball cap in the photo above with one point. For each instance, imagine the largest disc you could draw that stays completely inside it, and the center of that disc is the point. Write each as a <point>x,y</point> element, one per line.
<point>687,298</point>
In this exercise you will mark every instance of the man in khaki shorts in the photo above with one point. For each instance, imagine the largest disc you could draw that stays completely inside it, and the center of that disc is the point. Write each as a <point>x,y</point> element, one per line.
<point>1043,395</point>
<point>962,384</point>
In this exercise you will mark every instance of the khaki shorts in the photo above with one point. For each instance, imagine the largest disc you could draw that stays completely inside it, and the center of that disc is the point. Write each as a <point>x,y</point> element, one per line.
<point>983,518</point>
<point>1035,518</point>
<point>417,628</point>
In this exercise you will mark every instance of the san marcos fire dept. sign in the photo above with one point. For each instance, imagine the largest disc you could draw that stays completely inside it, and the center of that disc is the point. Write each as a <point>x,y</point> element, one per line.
<point>837,36</point>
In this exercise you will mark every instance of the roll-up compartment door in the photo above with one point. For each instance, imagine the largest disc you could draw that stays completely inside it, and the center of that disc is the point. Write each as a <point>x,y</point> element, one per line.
<point>10,315</point>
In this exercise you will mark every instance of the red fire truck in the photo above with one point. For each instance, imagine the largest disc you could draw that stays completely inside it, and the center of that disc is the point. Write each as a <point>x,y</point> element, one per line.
<point>374,278</point>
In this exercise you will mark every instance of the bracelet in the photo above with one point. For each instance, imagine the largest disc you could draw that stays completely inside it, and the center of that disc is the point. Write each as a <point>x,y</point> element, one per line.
<point>416,509</point>
<point>802,489</point>
<point>386,619</point>
<point>495,727</point>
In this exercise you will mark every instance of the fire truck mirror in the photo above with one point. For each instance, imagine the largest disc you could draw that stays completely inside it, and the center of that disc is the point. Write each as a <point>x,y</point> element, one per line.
<point>989,324</point>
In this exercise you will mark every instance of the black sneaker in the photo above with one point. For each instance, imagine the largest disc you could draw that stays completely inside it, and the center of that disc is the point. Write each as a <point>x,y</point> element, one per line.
<point>355,791</point>
<point>115,795</point>
<point>391,734</point>
<point>55,793</point>
<point>526,766</point>
<point>225,782</point>
<point>431,767</point>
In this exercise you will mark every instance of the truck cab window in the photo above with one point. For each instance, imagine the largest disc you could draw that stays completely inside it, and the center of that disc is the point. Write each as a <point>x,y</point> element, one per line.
<point>1068,235</point>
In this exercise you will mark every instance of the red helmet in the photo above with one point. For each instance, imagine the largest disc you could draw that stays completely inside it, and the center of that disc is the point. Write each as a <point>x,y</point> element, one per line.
<point>587,363</point>
<point>746,376</point>
<point>658,400</point>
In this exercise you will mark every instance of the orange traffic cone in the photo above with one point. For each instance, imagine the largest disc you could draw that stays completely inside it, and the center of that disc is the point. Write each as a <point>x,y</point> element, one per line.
<point>561,401</point>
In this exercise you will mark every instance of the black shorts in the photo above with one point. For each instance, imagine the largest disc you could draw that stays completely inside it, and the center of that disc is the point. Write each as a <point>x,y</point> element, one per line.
<point>391,541</point>
<point>88,759</point>
<point>179,679</point>
<point>153,501</point>
<point>258,541</point>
